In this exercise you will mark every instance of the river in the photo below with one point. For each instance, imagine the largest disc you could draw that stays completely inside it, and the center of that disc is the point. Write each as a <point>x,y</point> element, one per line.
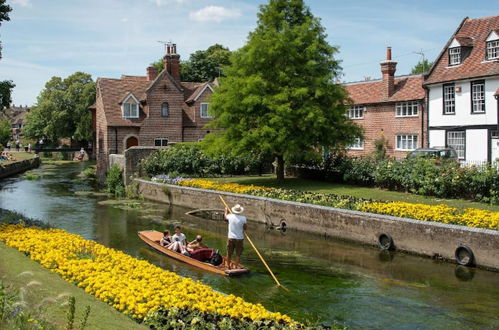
<point>328,279</point>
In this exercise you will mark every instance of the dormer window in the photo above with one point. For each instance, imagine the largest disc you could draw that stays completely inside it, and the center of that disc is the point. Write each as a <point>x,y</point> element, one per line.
<point>455,56</point>
<point>493,50</point>
<point>130,107</point>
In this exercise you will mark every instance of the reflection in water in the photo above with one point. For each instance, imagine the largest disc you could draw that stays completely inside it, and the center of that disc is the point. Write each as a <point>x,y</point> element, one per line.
<point>328,279</point>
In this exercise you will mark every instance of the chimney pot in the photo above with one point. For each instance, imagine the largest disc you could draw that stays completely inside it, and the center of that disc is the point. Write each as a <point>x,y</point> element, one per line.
<point>388,53</point>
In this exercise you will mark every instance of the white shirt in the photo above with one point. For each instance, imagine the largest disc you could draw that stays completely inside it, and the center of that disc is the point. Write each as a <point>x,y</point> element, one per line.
<point>180,238</point>
<point>236,226</point>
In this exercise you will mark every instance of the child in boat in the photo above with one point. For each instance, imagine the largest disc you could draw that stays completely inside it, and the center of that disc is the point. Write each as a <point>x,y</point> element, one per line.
<point>167,238</point>
<point>179,243</point>
<point>196,244</point>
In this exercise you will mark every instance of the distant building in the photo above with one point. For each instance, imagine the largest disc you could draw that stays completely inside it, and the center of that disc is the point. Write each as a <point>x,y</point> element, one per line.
<point>391,107</point>
<point>17,118</point>
<point>463,86</point>
<point>152,110</point>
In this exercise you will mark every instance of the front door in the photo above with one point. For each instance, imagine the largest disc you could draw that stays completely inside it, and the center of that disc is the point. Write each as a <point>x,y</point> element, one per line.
<point>132,142</point>
<point>495,149</point>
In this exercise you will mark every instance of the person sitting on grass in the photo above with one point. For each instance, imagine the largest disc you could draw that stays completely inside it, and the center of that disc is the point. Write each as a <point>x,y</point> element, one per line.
<point>166,239</point>
<point>179,242</point>
<point>196,244</point>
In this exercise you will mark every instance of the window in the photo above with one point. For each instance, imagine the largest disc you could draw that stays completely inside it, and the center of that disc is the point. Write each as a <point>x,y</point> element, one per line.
<point>449,99</point>
<point>160,142</point>
<point>357,145</point>
<point>356,112</point>
<point>130,110</point>
<point>165,110</point>
<point>478,96</point>
<point>204,110</point>
<point>407,142</point>
<point>406,109</point>
<point>455,56</point>
<point>492,50</point>
<point>457,140</point>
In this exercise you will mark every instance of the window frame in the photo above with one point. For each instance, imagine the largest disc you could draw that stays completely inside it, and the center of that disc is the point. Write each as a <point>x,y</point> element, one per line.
<point>409,105</point>
<point>167,110</point>
<point>458,54</point>
<point>447,144</point>
<point>472,95</point>
<point>357,145</point>
<point>201,110</point>
<point>161,140</point>
<point>356,109</point>
<point>453,86</point>
<point>126,102</point>
<point>414,141</point>
<point>495,48</point>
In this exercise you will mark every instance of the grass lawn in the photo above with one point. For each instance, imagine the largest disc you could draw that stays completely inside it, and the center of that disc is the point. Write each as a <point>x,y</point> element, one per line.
<point>19,156</point>
<point>351,190</point>
<point>47,291</point>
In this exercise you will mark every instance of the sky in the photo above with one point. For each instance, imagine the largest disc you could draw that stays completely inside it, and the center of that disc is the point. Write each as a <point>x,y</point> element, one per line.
<point>108,38</point>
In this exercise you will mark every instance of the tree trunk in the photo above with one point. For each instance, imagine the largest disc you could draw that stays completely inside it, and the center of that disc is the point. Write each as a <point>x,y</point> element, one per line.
<point>280,168</point>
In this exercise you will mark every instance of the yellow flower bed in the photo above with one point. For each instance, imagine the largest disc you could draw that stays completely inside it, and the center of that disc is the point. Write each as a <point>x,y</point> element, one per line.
<point>134,287</point>
<point>213,185</point>
<point>437,213</point>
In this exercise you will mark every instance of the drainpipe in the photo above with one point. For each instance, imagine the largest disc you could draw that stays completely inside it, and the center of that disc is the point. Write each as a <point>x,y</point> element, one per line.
<point>116,140</point>
<point>497,99</point>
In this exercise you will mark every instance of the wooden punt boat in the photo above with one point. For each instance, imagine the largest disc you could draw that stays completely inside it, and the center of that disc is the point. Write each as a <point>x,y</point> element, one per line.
<point>152,238</point>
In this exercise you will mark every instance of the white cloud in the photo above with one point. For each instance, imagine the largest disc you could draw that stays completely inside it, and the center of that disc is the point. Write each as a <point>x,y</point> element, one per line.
<point>214,14</point>
<point>22,3</point>
<point>160,3</point>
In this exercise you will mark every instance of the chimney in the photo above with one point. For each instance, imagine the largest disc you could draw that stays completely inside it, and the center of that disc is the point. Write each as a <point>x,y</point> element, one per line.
<point>152,73</point>
<point>388,68</point>
<point>172,61</point>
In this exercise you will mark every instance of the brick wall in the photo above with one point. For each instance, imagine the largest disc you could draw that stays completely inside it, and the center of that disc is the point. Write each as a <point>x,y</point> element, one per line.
<point>380,120</point>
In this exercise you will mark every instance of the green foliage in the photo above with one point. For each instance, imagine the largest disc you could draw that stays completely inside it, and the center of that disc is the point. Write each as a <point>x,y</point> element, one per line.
<point>71,313</point>
<point>421,67</point>
<point>279,97</point>
<point>175,318</point>
<point>114,181</point>
<point>5,131</point>
<point>380,147</point>
<point>6,87</point>
<point>203,65</point>
<point>62,109</point>
<point>189,159</point>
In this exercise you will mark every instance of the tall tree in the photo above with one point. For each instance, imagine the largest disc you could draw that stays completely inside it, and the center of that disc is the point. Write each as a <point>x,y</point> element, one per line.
<point>279,97</point>
<point>5,131</point>
<point>203,65</point>
<point>62,109</point>
<point>6,86</point>
<point>421,67</point>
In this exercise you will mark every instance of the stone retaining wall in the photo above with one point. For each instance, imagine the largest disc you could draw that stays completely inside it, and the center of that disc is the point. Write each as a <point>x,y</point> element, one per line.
<point>424,238</point>
<point>18,167</point>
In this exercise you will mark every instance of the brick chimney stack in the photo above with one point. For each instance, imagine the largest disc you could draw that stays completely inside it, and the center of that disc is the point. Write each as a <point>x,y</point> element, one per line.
<point>172,61</point>
<point>152,73</point>
<point>388,68</point>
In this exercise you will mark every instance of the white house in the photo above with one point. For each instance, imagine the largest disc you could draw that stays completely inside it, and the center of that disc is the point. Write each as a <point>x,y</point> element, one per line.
<point>463,85</point>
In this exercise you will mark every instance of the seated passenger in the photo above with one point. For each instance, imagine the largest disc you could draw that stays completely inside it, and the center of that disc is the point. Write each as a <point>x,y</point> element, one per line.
<point>196,244</point>
<point>167,238</point>
<point>179,242</point>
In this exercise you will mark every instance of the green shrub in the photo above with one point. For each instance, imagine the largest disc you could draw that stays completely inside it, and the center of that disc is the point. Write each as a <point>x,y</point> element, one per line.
<point>189,159</point>
<point>114,181</point>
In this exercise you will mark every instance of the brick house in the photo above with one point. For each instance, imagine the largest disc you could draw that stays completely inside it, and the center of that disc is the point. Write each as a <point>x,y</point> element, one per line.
<point>393,107</point>
<point>16,115</point>
<point>463,86</point>
<point>152,110</point>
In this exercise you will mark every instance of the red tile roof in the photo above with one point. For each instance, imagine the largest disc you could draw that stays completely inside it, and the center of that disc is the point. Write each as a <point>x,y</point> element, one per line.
<point>477,30</point>
<point>406,88</point>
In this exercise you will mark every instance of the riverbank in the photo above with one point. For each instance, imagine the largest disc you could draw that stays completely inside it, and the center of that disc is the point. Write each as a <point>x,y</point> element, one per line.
<point>11,168</point>
<point>45,294</point>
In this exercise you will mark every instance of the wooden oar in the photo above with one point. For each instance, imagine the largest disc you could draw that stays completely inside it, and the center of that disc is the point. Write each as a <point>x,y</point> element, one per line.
<point>256,250</point>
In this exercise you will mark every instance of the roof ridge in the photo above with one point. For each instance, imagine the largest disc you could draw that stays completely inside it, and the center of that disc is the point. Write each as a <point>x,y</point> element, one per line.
<point>381,79</point>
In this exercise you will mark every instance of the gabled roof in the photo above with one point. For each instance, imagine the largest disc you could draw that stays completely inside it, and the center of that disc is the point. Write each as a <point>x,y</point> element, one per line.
<point>198,92</point>
<point>407,88</point>
<point>471,33</point>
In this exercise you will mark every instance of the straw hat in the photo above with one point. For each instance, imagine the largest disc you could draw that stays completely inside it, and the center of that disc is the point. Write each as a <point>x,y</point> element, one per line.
<point>237,209</point>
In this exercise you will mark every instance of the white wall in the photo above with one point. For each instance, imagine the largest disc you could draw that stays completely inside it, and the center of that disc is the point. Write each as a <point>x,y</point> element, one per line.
<point>463,115</point>
<point>476,145</point>
<point>437,138</point>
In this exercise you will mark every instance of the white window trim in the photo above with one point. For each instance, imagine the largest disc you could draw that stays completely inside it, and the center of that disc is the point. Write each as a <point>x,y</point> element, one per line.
<point>355,108</point>
<point>202,91</point>
<point>125,100</point>
<point>408,134</point>
<point>201,110</point>
<point>487,51</point>
<point>361,143</point>
<point>407,102</point>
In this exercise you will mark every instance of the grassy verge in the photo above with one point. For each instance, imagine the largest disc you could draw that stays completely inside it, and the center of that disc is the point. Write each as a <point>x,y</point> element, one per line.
<point>44,289</point>
<point>351,190</point>
<point>19,156</point>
